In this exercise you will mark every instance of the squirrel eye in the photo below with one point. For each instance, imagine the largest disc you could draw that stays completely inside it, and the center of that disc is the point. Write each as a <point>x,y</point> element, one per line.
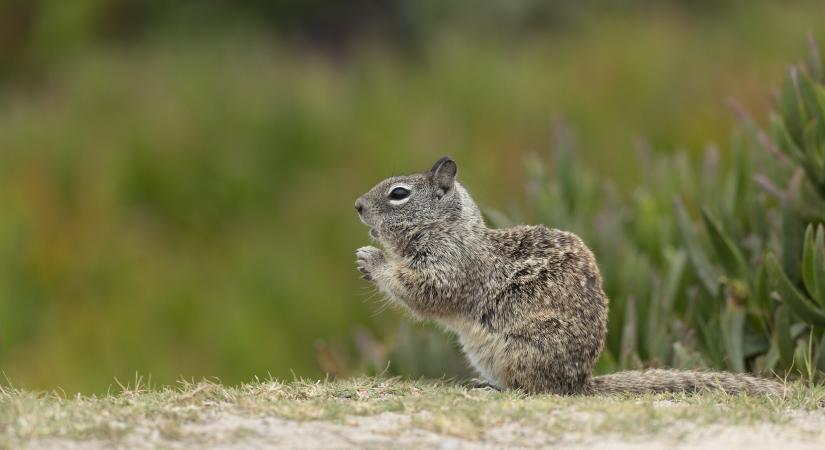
<point>399,193</point>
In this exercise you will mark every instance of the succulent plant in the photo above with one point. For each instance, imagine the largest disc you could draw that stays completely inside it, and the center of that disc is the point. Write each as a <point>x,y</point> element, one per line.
<point>742,286</point>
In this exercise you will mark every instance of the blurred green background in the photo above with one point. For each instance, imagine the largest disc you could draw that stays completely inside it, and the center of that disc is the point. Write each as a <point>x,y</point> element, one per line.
<point>177,178</point>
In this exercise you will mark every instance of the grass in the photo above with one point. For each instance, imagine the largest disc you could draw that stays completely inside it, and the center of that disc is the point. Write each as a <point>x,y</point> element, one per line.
<point>438,406</point>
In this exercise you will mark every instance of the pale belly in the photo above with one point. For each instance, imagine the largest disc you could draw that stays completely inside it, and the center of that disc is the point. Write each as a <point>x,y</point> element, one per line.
<point>485,351</point>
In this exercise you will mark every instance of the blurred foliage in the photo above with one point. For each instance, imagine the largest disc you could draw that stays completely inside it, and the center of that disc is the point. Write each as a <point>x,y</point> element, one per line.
<point>177,181</point>
<point>35,33</point>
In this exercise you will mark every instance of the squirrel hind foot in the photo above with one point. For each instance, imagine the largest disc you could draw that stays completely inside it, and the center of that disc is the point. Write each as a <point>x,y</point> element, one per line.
<point>477,383</point>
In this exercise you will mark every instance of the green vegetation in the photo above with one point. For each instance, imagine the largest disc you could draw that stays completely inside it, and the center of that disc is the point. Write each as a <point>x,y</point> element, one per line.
<point>742,289</point>
<point>178,200</point>
<point>205,413</point>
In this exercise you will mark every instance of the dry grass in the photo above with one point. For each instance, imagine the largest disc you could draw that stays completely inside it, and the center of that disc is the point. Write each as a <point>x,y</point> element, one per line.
<point>210,414</point>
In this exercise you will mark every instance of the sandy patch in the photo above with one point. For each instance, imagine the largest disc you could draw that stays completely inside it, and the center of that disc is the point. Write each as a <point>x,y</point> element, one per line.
<point>805,430</point>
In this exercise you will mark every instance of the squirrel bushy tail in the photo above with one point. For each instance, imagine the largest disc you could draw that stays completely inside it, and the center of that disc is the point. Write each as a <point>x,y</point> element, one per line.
<point>671,380</point>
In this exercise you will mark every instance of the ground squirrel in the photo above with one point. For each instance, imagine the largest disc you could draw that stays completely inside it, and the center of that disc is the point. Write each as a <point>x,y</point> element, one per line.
<point>525,302</point>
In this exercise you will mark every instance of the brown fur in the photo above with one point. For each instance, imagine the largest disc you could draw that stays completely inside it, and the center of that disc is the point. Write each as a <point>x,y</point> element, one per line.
<point>526,302</point>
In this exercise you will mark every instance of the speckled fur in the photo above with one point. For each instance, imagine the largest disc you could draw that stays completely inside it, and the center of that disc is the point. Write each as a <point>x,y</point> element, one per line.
<point>525,302</point>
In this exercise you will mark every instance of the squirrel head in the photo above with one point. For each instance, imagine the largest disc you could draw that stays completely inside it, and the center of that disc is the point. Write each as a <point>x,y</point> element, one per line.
<point>399,208</point>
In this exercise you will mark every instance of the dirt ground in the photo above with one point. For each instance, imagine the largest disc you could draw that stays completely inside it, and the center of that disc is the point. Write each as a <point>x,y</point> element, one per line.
<point>394,430</point>
<point>375,413</point>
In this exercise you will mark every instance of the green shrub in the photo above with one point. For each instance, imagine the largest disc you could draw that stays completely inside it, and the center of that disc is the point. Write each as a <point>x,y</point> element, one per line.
<point>711,265</point>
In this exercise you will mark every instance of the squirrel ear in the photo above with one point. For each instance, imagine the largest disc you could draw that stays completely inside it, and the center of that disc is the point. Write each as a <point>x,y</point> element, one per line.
<point>443,174</point>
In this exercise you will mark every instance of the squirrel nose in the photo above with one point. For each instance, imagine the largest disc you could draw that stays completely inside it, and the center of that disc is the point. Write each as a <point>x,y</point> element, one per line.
<point>359,206</point>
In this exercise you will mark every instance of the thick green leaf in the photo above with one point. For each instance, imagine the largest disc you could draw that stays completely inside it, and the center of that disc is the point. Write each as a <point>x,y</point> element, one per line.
<point>737,183</point>
<point>629,334</point>
<point>673,280</point>
<point>802,359</point>
<point>659,316</point>
<point>768,363</point>
<point>743,176</point>
<point>707,274</point>
<point>655,341</point>
<point>791,239</point>
<point>813,263</point>
<point>729,254</point>
<point>710,331</point>
<point>808,250</point>
<point>819,264</point>
<point>782,336</point>
<point>782,137</point>
<point>819,355</point>
<point>798,303</point>
<point>810,100</point>
<point>758,301</point>
<point>812,161</point>
<point>791,107</point>
<point>733,325</point>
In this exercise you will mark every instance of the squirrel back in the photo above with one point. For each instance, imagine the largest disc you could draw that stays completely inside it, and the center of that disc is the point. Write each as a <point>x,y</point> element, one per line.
<point>525,302</point>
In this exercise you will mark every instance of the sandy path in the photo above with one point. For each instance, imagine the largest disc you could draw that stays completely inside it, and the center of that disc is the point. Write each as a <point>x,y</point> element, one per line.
<point>393,430</point>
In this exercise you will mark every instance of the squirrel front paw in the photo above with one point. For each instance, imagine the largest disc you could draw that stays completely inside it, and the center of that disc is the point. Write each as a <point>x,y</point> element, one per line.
<point>368,259</point>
